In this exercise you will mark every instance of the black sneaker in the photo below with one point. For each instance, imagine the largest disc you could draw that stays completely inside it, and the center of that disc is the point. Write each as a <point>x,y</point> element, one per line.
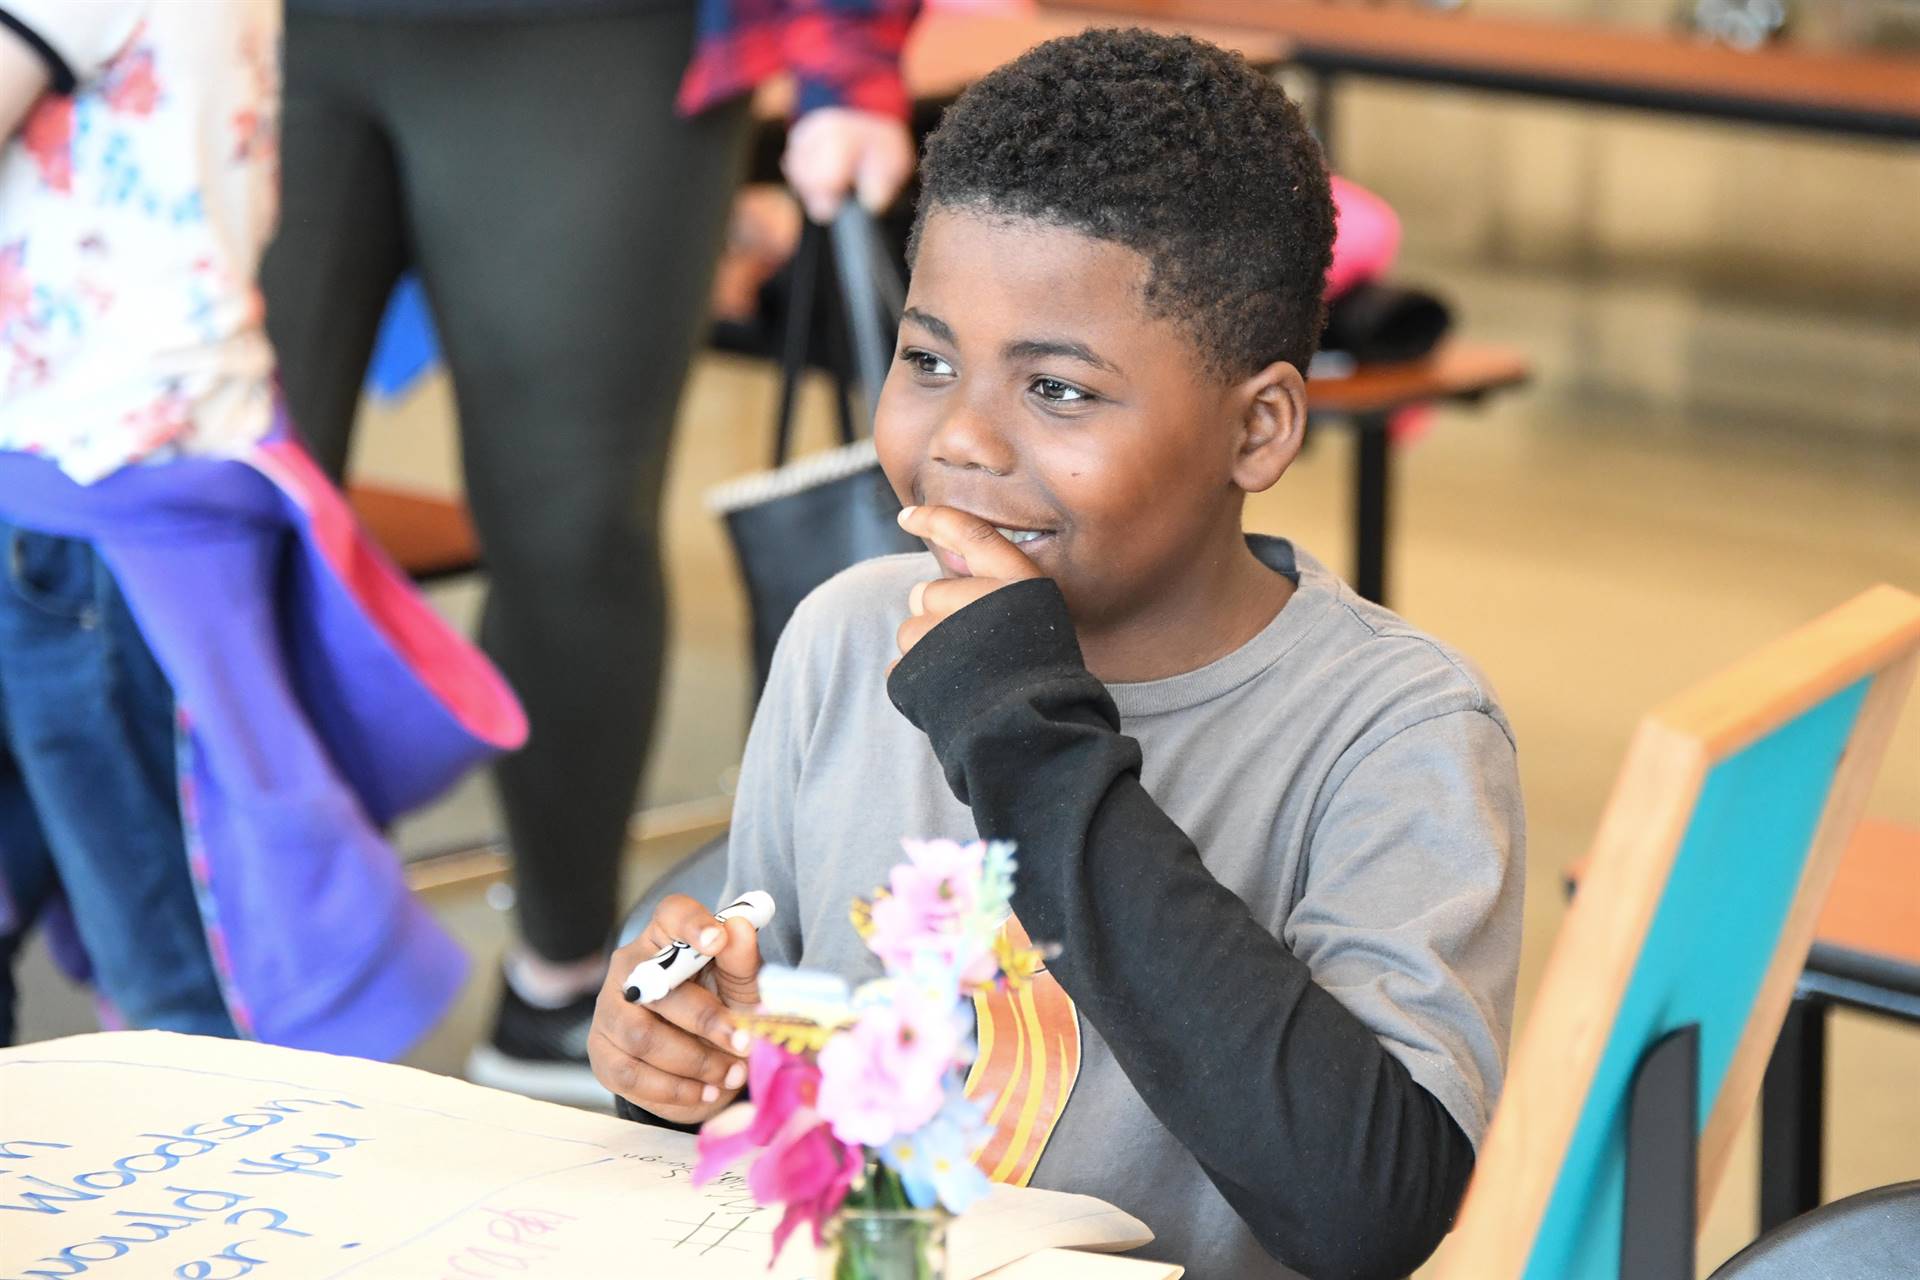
<point>541,1053</point>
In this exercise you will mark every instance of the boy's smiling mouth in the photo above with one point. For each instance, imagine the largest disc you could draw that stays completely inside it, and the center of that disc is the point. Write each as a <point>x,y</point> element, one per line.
<point>1030,539</point>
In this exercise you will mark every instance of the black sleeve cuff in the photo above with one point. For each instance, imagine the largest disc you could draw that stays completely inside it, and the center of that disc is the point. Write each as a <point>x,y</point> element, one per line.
<point>58,72</point>
<point>1000,643</point>
<point>640,1115</point>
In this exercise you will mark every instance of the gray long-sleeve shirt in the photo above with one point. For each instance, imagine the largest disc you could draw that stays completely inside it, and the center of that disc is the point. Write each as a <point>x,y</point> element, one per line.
<point>1350,788</point>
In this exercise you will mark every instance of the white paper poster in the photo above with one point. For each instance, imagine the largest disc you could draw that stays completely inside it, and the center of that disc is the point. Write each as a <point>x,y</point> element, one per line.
<point>143,1155</point>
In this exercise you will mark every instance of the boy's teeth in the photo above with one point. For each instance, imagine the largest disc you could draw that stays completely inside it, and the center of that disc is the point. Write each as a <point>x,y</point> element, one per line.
<point>1017,536</point>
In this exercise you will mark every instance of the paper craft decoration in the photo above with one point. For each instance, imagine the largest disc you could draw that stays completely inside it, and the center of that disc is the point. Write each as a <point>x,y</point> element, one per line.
<point>1696,910</point>
<point>1028,1063</point>
<point>136,1155</point>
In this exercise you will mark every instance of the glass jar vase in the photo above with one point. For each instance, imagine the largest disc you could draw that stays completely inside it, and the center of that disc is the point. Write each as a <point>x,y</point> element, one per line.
<point>885,1244</point>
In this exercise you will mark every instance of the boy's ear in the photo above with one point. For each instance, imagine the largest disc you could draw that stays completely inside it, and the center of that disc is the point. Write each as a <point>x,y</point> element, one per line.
<point>1273,424</point>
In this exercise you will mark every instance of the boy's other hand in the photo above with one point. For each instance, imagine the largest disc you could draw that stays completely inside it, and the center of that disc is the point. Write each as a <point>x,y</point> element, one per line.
<point>991,563</point>
<point>679,1057</point>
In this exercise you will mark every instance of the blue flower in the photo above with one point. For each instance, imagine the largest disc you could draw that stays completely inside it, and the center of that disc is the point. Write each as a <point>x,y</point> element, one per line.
<point>935,1162</point>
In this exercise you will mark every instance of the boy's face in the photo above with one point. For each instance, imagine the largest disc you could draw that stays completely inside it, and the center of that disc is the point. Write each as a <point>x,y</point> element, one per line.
<point>1034,389</point>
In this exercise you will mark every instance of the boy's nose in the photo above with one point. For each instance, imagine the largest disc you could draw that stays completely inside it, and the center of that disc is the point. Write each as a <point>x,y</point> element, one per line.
<point>967,438</point>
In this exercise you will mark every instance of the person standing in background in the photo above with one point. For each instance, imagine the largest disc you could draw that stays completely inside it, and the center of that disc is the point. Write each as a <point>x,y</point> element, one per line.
<point>559,172</point>
<point>213,693</point>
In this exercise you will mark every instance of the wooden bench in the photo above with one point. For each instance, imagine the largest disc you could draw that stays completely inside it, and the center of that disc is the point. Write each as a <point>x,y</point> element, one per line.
<point>1865,955</point>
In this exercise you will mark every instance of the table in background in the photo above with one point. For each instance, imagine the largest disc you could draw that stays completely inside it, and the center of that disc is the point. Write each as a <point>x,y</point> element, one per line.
<point>1367,398</point>
<point>1862,95</point>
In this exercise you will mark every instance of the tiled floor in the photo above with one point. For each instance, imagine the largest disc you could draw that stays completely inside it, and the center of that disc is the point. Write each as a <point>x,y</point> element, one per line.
<point>1594,545</point>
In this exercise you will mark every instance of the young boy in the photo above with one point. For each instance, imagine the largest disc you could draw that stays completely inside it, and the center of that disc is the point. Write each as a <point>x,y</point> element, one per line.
<point>1275,831</point>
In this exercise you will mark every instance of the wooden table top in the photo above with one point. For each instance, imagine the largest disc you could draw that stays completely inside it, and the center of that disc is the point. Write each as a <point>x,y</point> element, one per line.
<point>1874,905</point>
<point>1867,94</point>
<point>1873,908</point>
<point>948,51</point>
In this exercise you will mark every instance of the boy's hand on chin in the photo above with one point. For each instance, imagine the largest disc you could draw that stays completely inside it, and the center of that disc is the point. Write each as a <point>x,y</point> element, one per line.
<point>992,562</point>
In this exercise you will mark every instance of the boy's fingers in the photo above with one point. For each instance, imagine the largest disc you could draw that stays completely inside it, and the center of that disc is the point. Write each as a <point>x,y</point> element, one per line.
<point>912,632</point>
<point>679,918</point>
<point>944,597</point>
<point>736,970</point>
<point>637,1033</point>
<point>660,1092</point>
<point>986,552</point>
<point>931,603</point>
<point>695,1009</point>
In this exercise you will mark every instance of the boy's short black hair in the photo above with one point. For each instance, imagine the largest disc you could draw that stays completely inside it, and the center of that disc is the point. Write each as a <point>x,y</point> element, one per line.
<point>1176,149</point>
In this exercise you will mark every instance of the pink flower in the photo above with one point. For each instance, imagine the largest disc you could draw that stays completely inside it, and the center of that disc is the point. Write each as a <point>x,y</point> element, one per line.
<point>781,1085</point>
<point>803,1165</point>
<point>928,912</point>
<point>809,1173</point>
<point>887,1074</point>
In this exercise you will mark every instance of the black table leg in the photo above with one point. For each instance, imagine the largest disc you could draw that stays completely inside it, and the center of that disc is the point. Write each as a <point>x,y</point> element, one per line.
<point>1791,1118</point>
<point>1371,478</point>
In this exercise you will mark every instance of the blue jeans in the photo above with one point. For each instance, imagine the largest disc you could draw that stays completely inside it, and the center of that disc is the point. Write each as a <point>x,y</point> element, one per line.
<point>89,803</point>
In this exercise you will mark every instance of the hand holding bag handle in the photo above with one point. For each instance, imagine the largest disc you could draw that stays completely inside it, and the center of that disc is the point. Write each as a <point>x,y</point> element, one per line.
<point>799,524</point>
<point>874,297</point>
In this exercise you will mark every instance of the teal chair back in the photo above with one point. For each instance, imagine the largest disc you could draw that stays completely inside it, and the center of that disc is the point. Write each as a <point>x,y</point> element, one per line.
<point>1696,910</point>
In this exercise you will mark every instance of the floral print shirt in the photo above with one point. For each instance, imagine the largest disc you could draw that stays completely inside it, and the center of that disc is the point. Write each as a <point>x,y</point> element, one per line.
<point>135,200</point>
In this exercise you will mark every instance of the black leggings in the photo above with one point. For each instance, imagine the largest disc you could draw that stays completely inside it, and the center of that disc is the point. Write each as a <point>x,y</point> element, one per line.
<point>565,223</point>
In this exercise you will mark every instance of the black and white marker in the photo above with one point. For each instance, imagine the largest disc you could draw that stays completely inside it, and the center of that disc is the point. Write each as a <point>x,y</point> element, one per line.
<point>652,978</point>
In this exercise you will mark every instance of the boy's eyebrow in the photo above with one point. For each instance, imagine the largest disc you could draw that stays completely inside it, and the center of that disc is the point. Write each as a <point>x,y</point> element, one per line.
<point>932,324</point>
<point>1034,348</point>
<point>1023,349</point>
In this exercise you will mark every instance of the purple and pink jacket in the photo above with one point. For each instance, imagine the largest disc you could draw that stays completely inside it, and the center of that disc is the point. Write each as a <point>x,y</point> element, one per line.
<point>318,698</point>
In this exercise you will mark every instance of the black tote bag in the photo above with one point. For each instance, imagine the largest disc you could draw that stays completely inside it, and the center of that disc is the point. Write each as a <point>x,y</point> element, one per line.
<point>797,525</point>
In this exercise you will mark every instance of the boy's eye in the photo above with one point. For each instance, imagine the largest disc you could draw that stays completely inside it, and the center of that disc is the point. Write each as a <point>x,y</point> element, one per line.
<point>925,363</point>
<point>1058,392</point>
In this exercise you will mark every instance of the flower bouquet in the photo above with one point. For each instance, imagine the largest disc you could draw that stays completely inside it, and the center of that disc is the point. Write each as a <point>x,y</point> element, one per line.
<point>857,1104</point>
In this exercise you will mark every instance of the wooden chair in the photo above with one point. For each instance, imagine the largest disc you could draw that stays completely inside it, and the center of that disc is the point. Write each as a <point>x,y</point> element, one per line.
<point>1670,976</point>
<point>1865,956</point>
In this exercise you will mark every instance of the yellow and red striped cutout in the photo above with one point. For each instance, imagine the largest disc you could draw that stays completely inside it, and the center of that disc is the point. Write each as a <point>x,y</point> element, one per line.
<point>1028,1062</point>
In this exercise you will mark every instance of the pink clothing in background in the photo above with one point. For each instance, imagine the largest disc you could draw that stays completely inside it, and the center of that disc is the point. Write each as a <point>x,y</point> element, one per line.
<point>1366,237</point>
